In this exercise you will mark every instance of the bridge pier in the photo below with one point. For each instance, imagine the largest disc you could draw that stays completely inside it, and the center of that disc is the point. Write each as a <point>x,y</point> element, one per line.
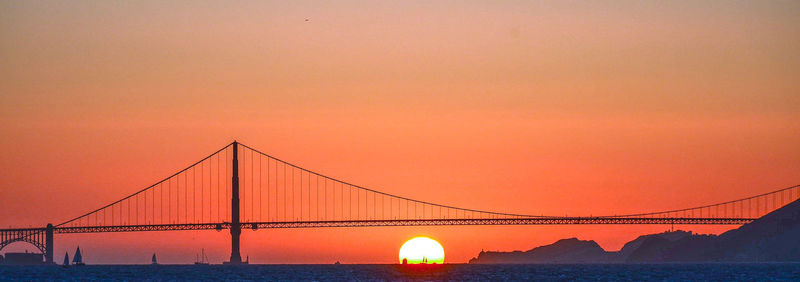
<point>236,226</point>
<point>48,245</point>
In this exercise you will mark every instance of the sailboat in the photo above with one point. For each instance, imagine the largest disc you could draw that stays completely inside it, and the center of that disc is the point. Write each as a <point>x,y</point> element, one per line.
<point>154,261</point>
<point>203,260</point>
<point>78,259</point>
<point>66,259</point>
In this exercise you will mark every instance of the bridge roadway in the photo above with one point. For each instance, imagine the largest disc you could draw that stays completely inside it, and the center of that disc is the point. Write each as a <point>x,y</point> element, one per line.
<point>403,222</point>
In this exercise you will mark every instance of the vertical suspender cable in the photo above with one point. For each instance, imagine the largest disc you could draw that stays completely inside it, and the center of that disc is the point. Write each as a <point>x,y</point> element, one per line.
<point>219,190</point>
<point>260,190</point>
<point>349,202</point>
<point>301,194</point>
<point>185,198</point>
<point>194,195</point>
<point>202,192</point>
<point>276,190</point>
<point>293,199</point>
<point>268,197</point>
<point>252,189</point>
<point>341,196</point>
<point>161,203</point>
<point>152,218</point>
<point>169,200</point>
<point>284,193</point>
<point>227,180</point>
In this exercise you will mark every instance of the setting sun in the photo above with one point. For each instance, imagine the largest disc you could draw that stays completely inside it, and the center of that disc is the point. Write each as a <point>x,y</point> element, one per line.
<point>421,250</point>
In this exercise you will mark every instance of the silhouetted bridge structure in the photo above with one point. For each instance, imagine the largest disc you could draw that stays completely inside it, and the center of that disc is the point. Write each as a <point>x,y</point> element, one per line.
<point>240,187</point>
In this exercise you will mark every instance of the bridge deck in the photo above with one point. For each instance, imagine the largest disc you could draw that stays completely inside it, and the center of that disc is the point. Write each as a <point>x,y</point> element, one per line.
<point>404,222</point>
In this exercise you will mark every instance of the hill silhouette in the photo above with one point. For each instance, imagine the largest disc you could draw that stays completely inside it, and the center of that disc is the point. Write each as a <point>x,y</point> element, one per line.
<point>771,238</point>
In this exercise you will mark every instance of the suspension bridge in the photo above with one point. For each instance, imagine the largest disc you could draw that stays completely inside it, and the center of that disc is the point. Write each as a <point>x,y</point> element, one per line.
<point>240,187</point>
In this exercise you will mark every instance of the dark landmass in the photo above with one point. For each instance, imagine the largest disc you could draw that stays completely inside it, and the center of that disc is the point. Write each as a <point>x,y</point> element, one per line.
<point>774,237</point>
<point>22,259</point>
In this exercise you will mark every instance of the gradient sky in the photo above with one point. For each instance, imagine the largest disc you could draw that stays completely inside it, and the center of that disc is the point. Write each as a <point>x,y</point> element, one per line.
<point>555,108</point>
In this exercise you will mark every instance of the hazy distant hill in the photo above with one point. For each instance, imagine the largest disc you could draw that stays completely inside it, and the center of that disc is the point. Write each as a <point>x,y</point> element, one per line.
<point>773,237</point>
<point>692,248</point>
<point>564,251</point>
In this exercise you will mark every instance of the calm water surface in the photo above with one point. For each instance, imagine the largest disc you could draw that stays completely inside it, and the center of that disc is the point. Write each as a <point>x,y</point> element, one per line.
<point>457,272</point>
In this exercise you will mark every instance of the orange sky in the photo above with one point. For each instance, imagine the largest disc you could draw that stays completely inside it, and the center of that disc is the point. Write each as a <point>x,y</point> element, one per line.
<point>551,108</point>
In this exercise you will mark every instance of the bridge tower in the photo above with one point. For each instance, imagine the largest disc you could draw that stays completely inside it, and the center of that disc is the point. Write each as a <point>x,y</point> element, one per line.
<point>48,244</point>
<point>236,226</point>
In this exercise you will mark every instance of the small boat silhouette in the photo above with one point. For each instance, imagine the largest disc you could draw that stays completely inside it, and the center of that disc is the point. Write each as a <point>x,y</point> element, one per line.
<point>78,258</point>
<point>203,260</point>
<point>153,260</point>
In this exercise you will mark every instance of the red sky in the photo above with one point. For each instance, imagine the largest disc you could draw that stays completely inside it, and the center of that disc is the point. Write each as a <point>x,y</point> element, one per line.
<point>562,108</point>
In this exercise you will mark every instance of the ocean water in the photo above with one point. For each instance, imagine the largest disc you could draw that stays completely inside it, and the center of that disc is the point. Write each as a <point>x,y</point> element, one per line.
<point>454,272</point>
